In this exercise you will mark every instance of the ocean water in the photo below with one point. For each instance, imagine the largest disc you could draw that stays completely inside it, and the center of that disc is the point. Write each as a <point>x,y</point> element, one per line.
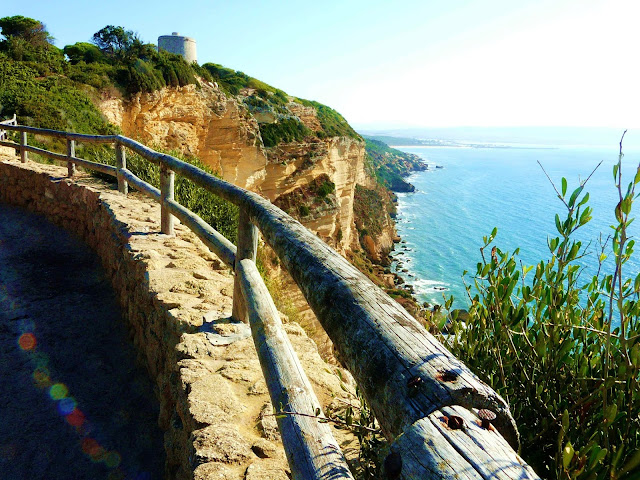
<point>477,189</point>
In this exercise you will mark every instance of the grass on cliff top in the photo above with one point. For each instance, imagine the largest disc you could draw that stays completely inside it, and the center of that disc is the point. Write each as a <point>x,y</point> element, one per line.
<point>48,87</point>
<point>232,81</point>
<point>333,124</point>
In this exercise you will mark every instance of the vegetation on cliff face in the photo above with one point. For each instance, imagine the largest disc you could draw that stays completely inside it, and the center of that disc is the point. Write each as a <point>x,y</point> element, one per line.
<point>369,208</point>
<point>287,130</point>
<point>33,84</point>
<point>389,165</point>
<point>333,124</point>
<point>286,126</point>
<point>311,200</point>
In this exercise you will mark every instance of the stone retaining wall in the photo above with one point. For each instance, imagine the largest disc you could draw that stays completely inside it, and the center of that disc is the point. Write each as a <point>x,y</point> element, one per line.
<point>176,296</point>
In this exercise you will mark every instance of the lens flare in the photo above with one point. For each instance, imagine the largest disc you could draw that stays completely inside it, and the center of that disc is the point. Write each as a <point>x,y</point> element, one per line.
<point>93,449</point>
<point>58,391</point>
<point>112,459</point>
<point>66,406</point>
<point>75,418</point>
<point>41,378</point>
<point>27,341</point>
<point>40,360</point>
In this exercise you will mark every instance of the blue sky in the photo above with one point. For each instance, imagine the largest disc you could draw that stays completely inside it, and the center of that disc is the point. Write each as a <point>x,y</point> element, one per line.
<point>407,63</point>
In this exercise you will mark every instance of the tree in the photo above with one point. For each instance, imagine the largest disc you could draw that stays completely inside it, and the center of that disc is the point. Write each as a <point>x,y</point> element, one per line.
<point>116,41</point>
<point>83,52</point>
<point>33,31</point>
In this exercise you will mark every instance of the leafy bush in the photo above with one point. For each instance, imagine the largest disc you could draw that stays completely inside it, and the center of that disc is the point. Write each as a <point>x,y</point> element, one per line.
<point>97,75</point>
<point>326,188</point>
<point>565,352</point>
<point>51,102</point>
<point>220,214</point>
<point>83,52</point>
<point>286,130</point>
<point>333,124</point>
<point>232,81</point>
<point>304,210</point>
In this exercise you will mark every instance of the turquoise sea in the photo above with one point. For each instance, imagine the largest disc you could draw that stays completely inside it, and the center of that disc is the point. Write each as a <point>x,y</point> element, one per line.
<point>476,189</point>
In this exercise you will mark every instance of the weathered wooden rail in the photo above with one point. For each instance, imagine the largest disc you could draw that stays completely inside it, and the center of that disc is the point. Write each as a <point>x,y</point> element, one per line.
<point>426,400</point>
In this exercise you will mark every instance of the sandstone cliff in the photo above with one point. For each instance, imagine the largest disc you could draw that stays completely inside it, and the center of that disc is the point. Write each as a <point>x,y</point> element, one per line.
<point>323,180</point>
<point>223,130</point>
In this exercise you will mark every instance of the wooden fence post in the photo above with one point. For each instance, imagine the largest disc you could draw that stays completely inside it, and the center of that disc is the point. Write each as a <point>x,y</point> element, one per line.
<point>71,152</point>
<point>23,143</point>
<point>166,189</point>
<point>121,162</point>
<point>247,245</point>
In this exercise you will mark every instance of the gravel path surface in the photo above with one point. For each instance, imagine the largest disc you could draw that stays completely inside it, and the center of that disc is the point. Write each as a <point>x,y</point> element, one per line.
<point>73,405</point>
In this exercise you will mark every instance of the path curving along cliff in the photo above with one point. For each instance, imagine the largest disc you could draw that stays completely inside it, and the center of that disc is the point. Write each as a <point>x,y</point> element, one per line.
<point>214,408</point>
<point>74,403</point>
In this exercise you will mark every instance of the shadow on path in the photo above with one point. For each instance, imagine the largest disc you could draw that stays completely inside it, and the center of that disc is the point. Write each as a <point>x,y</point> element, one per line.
<point>73,405</point>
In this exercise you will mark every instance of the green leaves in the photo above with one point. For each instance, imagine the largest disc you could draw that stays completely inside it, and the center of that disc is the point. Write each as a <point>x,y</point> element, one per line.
<point>567,455</point>
<point>564,351</point>
<point>574,196</point>
<point>558,224</point>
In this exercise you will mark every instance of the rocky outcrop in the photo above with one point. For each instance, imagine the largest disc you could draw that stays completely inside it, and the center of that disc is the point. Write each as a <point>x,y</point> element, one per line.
<point>341,160</point>
<point>401,186</point>
<point>201,122</point>
<point>220,130</point>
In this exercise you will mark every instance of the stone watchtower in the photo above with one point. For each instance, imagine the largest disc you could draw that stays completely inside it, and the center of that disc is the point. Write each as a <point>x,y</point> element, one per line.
<point>174,43</point>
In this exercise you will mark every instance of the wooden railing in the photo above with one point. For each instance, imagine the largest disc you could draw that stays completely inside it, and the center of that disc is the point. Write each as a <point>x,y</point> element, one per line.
<point>427,402</point>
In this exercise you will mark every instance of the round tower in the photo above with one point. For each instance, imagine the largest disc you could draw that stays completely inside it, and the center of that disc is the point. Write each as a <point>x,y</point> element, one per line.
<point>175,43</point>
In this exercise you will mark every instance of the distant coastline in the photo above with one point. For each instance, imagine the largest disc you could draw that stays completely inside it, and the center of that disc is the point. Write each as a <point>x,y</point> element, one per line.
<point>473,145</point>
<point>514,137</point>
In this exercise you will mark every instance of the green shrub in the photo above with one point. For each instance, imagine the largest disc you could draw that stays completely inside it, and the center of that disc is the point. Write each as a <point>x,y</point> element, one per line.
<point>563,350</point>
<point>285,130</point>
<point>220,214</point>
<point>326,188</point>
<point>97,75</point>
<point>52,102</point>
<point>333,124</point>
<point>229,80</point>
<point>83,52</point>
<point>232,81</point>
<point>304,210</point>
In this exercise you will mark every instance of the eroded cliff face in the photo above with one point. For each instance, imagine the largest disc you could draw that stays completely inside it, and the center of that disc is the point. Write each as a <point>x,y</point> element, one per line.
<point>224,134</point>
<point>294,166</point>
<point>200,122</point>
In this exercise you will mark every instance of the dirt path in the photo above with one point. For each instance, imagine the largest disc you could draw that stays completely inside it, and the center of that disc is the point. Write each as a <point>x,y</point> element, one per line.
<point>72,402</point>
